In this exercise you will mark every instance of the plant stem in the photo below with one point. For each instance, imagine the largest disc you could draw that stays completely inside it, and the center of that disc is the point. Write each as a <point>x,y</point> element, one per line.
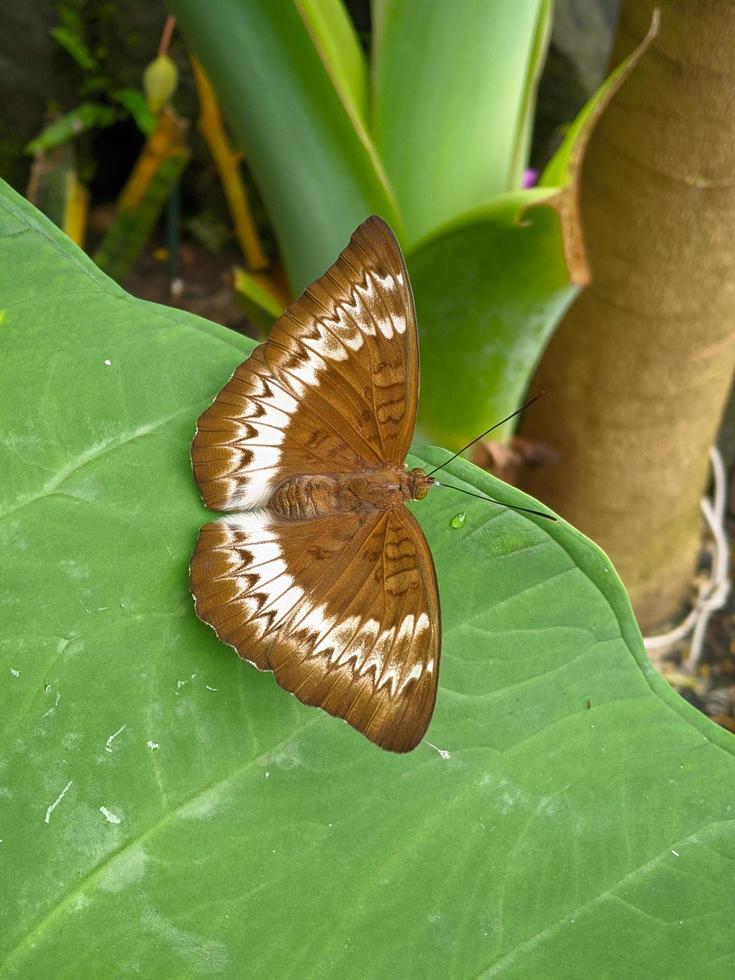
<point>639,370</point>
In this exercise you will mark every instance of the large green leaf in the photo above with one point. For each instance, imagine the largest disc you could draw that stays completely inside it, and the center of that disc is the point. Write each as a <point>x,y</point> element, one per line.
<point>452,97</point>
<point>489,290</point>
<point>167,811</point>
<point>296,113</point>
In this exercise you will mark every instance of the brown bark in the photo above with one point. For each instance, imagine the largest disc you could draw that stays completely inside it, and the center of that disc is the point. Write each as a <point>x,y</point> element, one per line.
<point>639,370</point>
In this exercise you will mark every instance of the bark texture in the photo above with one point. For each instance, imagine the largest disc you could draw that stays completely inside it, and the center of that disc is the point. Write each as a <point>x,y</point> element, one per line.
<point>639,370</point>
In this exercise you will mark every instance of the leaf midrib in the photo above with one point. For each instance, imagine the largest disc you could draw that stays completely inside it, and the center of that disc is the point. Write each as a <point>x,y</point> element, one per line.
<point>92,455</point>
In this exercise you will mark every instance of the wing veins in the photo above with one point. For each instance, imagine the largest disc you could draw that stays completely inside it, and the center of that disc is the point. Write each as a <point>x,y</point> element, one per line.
<point>348,425</point>
<point>366,338</point>
<point>366,277</point>
<point>354,545</point>
<point>368,375</point>
<point>325,376</point>
<point>380,292</point>
<point>397,619</point>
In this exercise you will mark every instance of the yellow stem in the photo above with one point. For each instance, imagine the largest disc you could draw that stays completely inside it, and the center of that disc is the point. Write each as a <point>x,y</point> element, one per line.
<point>76,209</point>
<point>226,160</point>
<point>168,139</point>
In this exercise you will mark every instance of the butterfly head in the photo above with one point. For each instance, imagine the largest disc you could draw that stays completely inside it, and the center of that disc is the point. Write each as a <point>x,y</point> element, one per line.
<point>420,483</point>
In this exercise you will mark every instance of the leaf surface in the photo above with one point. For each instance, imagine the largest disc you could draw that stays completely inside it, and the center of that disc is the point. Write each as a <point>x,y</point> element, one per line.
<point>167,811</point>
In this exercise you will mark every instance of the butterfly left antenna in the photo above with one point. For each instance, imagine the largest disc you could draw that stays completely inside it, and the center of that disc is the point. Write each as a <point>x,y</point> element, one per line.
<point>487,432</point>
<point>481,496</point>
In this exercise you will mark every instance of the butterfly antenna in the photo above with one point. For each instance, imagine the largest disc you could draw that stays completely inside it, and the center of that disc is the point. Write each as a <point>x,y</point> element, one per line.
<point>487,432</point>
<point>482,496</point>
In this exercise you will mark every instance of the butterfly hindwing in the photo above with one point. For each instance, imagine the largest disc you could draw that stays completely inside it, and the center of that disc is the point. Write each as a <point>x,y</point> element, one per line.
<point>343,610</point>
<point>334,388</point>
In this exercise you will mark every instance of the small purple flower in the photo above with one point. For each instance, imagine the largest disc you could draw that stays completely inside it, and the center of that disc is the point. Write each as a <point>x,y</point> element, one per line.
<point>529,178</point>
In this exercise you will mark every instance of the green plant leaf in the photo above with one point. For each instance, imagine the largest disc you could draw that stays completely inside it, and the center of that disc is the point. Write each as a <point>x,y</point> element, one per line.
<point>334,37</point>
<point>88,115</point>
<point>75,45</point>
<point>134,101</point>
<point>168,811</point>
<point>526,116</point>
<point>489,289</point>
<point>451,99</point>
<point>492,284</point>
<point>313,160</point>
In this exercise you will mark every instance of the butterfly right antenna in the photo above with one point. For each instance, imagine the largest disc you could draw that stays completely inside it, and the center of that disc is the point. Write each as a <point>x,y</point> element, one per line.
<point>487,432</point>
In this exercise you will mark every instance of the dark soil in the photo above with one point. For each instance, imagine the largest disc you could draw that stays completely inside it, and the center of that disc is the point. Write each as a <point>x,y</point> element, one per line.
<point>205,282</point>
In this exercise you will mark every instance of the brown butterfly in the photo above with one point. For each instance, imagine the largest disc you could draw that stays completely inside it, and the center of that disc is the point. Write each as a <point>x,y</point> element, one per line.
<point>321,574</point>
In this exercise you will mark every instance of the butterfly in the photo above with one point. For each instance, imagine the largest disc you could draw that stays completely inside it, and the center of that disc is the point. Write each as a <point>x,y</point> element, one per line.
<point>319,572</point>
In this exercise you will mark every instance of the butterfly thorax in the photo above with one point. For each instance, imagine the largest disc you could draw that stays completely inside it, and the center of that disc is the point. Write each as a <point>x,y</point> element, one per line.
<point>306,497</point>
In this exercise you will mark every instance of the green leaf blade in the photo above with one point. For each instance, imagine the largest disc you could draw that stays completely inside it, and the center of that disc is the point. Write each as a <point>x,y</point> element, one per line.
<point>452,93</point>
<point>334,37</point>
<point>88,115</point>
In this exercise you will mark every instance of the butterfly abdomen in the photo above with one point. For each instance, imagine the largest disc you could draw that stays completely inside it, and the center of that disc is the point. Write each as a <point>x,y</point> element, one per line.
<point>307,497</point>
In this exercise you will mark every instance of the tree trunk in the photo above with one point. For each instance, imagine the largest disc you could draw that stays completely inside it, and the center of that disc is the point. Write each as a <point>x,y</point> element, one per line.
<point>639,370</point>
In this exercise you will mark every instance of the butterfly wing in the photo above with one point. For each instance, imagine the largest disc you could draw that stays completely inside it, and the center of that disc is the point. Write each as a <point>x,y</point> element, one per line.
<point>344,610</point>
<point>333,390</point>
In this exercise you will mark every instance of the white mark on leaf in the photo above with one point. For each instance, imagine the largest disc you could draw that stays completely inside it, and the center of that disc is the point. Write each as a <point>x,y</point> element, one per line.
<point>108,743</point>
<point>55,705</point>
<point>109,816</point>
<point>286,758</point>
<point>59,798</point>
<point>442,752</point>
<point>203,955</point>
<point>126,869</point>
<point>205,804</point>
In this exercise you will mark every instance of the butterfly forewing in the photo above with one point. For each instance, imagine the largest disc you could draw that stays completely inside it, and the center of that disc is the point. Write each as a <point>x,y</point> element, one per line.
<point>333,389</point>
<point>342,607</point>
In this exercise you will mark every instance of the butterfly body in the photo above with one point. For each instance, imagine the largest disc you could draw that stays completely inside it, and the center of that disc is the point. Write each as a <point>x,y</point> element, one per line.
<point>319,572</point>
<point>307,497</point>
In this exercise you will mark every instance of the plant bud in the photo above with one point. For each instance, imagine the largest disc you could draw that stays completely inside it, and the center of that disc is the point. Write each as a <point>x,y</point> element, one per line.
<point>159,82</point>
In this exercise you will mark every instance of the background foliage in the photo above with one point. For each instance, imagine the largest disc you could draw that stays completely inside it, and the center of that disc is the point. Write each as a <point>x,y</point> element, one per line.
<point>432,133</point>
